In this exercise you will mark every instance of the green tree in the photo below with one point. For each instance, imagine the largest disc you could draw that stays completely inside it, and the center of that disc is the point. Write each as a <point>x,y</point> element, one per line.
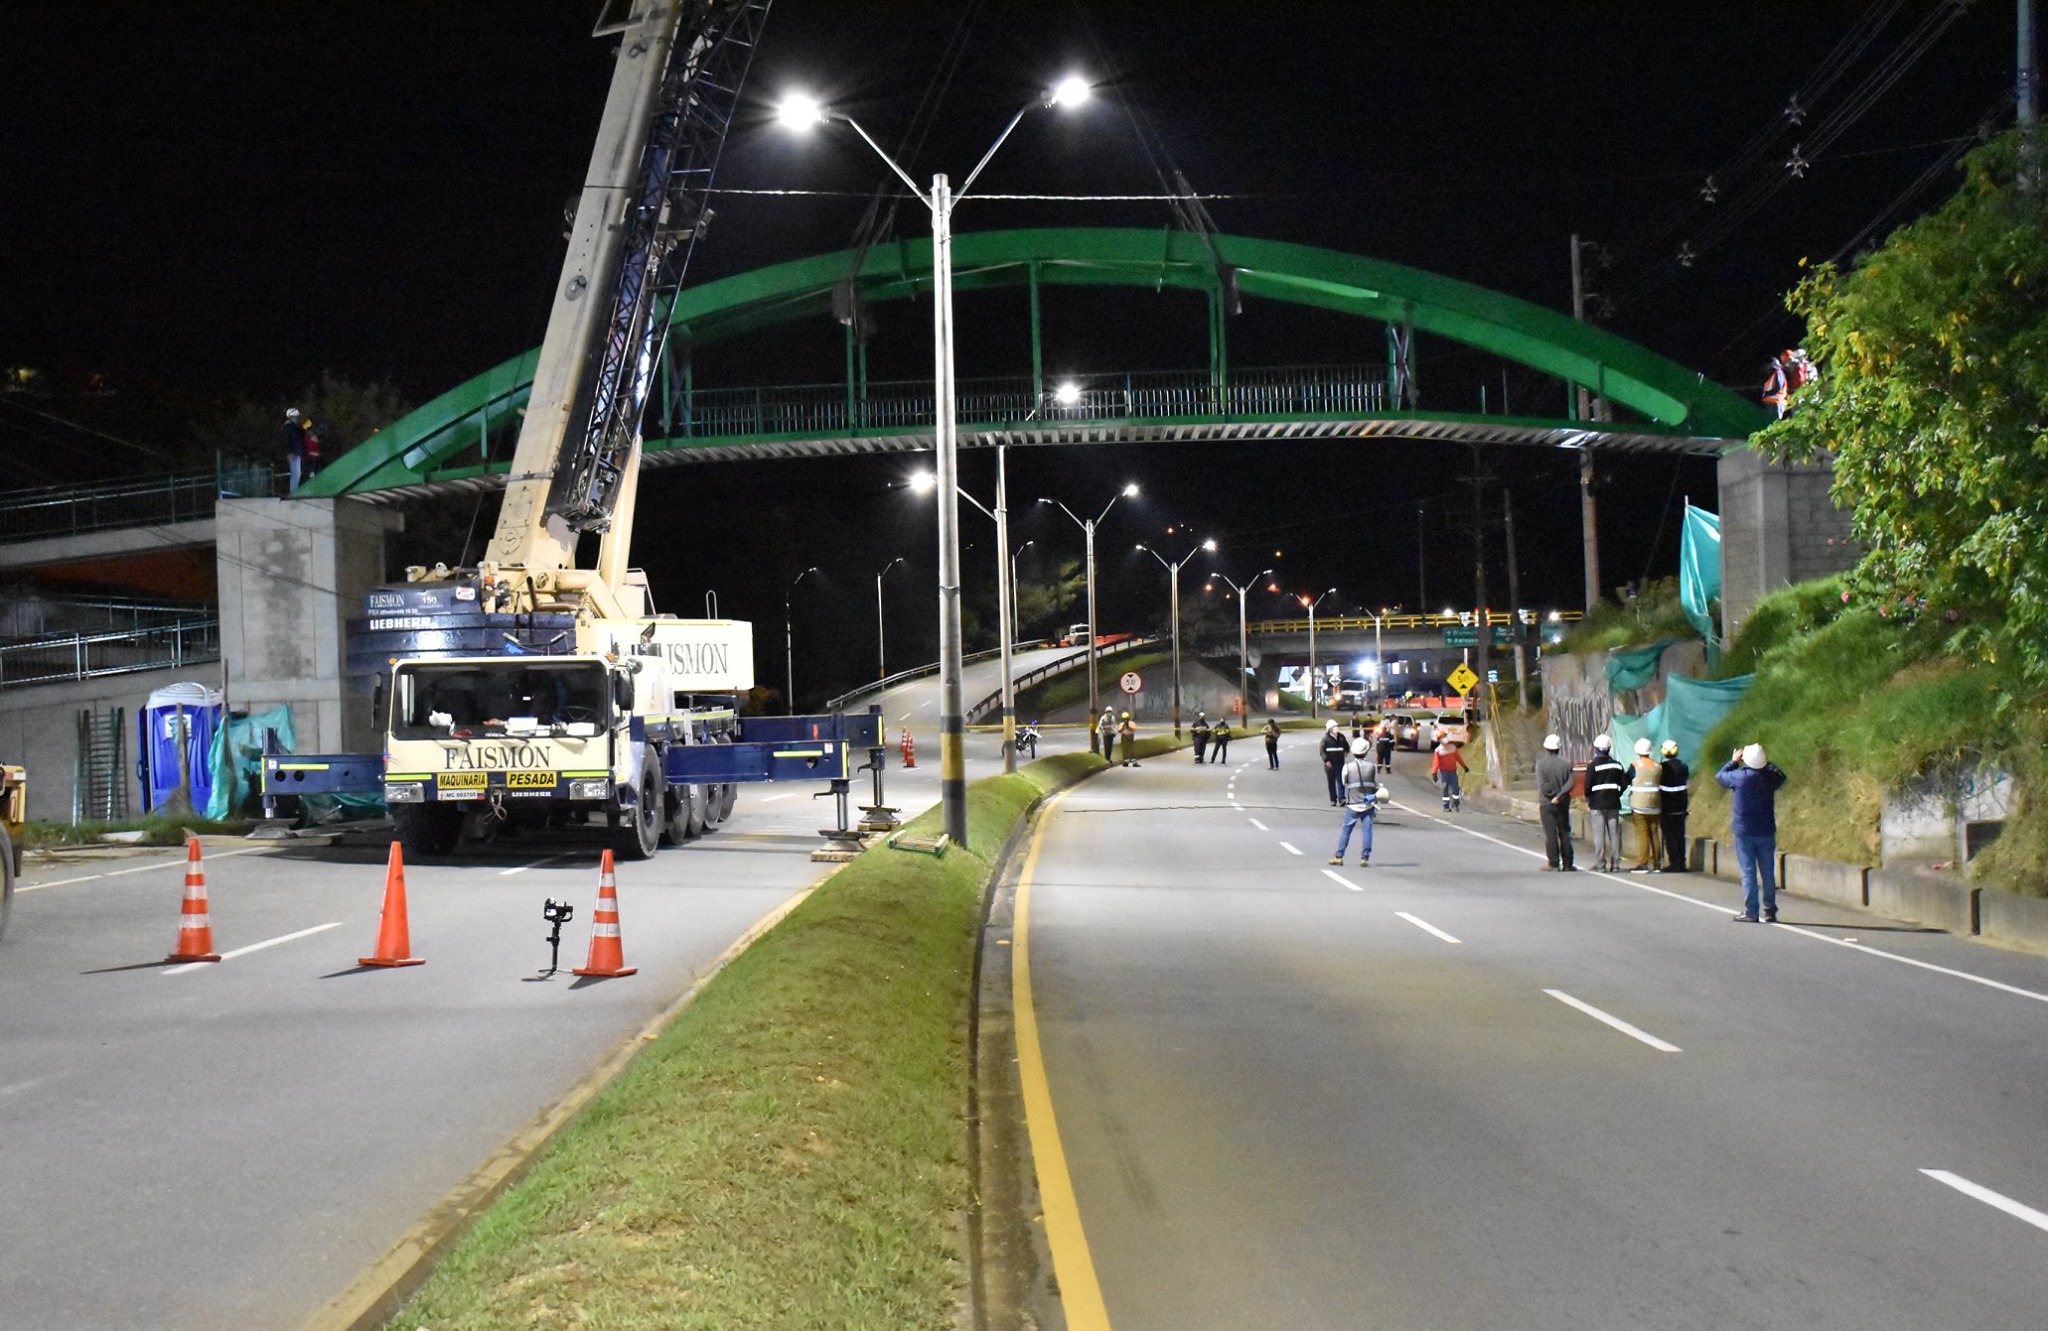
<point>1043,605</point>
<point>1932,396</point>
<point>347,413</point>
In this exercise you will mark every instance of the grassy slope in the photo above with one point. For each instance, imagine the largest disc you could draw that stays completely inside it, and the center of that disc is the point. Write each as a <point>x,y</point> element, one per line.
<point>790,1152</point>
<point>1851,704</point>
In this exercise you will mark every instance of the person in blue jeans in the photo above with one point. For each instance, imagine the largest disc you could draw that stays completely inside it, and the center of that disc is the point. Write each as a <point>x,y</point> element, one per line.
<point>1359,785</point>
<point>1753,779</point>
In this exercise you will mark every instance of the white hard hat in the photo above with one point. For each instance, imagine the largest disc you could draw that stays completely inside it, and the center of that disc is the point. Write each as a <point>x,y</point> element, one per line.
<point>291,413</point>
<point>1602,743</point>
<point>1553,743</point>
<point>1360,748</point>
<point>1330,724</point>
<point>1643,747</point>
<point>1754,756</point>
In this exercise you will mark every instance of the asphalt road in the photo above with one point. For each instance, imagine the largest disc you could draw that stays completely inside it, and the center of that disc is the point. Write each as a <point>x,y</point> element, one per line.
<point>1450,1091</point>
<point>232,1144</point>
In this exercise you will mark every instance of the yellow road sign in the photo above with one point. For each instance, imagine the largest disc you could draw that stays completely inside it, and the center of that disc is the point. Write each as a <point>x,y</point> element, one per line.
<point>1462,679</point>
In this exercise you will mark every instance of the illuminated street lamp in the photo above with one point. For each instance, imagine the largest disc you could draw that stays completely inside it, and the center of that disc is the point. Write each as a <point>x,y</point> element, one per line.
<point>1016,594</point>
<point>1244,659</point>
<point>1173,574</point>
<point>1313,681</point>
<point>799,112</point>
<point>1088,529</point>
<point>881,634</point>
<point>789,641</point>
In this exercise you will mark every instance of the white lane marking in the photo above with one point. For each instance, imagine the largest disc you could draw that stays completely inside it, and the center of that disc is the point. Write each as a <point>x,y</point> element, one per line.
<point>1261,826</point>
<point>1616,1022</point>
<point>1634,881</point>
<point>1235,805</point>
<point>1341,880</point>
<point>178,862</point>
<point>253,947</point>
<point>1289,848</point>
<point>1426,926</point>
<point>545,859</point>
<point>770,799</point>
<point>1985,1195</point>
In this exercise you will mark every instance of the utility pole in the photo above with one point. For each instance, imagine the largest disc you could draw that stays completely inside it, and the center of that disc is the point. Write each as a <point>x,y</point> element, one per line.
<point>1483,640</point>
<point>1507,504</point>
<point>1589,521</point>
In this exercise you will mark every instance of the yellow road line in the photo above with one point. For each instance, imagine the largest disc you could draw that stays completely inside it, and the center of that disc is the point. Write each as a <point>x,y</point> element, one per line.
<point>1072,1263</point>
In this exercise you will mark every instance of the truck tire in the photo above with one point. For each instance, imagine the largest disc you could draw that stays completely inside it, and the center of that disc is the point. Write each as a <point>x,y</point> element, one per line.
<point>700,804</point>
<point>426,830</point>
<point>7,855</point>
<point>640,826</point>
<point>675,827</point>
<point>714,807</point>
<point>728,796</point>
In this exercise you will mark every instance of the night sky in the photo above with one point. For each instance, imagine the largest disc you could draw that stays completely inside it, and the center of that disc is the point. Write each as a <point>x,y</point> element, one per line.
<point>210,199</point>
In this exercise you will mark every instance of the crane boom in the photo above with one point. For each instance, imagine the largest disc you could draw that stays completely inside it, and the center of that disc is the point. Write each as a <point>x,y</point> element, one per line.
<point>641,209</point>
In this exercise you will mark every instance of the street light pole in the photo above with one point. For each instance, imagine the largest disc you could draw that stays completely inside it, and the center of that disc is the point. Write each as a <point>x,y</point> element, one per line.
<point>1087,526</point>
<point>881,634</point>
<point>799,112</point>
<point>1016,591</point>
<point>789,642</point>
<point>1244,657</point>
<point>925,481</point>
<point>1314,682</point>
<point>1173,575</point>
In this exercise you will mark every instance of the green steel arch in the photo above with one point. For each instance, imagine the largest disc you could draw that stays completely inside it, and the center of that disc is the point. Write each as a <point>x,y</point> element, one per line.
<point>436,441</point>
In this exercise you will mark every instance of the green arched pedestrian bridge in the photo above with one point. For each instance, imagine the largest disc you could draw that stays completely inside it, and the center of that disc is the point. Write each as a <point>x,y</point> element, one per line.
<point>442,445</point>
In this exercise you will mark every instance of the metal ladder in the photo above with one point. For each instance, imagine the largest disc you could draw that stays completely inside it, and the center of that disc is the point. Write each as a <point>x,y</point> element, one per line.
<point>99,790</point>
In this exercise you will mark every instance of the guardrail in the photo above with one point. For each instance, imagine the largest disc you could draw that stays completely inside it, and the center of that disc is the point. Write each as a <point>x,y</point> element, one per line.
<point>917,672</point>
<point>1340,623</point>
<point>90,655</point>
<point>1050,668</point>
<point>70,510</point>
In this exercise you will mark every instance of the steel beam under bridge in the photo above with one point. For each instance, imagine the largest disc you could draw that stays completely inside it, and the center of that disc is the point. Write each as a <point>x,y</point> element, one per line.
<point>437,447</point>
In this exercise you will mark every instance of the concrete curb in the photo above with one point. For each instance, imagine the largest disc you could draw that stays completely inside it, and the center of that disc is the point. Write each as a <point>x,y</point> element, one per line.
<point>1899,892</point>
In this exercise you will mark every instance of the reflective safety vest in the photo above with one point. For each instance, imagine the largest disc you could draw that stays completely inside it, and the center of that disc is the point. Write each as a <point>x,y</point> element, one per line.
<point>1645,793</point>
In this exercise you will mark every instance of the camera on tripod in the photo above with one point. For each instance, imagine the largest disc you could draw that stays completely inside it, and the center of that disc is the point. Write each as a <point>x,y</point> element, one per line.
<point>557,912</point>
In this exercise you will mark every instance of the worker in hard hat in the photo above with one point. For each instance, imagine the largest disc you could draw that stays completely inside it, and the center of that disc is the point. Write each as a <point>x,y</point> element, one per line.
<point>1127,733</point>
<point>1645,807</point>
<point>1605,780</point>
<point>1554,801</point>
<point>1674,785</point>
<point>1361,793</point>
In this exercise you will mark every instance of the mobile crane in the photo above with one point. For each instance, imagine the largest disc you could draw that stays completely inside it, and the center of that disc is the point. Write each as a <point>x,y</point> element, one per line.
<point>528,691</point>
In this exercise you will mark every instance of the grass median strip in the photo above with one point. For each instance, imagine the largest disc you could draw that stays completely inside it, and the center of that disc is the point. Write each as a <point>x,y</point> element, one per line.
<point>790,1151</point>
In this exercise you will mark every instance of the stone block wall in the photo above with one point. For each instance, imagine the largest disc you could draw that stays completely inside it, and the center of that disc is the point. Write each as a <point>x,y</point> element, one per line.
<point>1778,526</point>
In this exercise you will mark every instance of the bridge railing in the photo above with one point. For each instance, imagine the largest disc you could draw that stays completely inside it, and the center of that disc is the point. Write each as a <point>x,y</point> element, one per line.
<point>70,510</point>
<point>89,655</point>
<point>908,403</point>
<point>1349,623</point>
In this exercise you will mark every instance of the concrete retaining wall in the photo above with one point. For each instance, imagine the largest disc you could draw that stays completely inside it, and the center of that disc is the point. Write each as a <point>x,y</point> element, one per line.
<point>1904,895</point>
<point>1824,880</point>
<point>2011,919</point>
<point>39,730</point>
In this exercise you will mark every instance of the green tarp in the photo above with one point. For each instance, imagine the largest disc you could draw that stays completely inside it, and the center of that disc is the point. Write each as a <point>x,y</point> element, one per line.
<point>1699,573</point>
<point>238,756</point>
<point>1633,669</point>
<point>1690,709</point>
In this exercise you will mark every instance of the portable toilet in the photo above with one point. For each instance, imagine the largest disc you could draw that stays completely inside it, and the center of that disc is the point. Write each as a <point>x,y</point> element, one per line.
<point>195,712</point>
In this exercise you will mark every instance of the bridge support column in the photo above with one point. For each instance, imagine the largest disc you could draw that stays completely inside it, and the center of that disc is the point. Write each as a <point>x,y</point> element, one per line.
<point>292,572</point>
<point>1778,526</point>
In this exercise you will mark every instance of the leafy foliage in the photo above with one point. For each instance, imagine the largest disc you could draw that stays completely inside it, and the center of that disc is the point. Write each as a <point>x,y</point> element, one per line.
<point>1042,606</point>
<point>1933,390</point>
<point>346,412</point>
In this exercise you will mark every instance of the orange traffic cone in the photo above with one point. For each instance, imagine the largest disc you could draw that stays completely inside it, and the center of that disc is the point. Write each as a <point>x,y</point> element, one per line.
<point>394,940</point>
<point>606,956</point>
<point>195,926</point>
<point>909,750</point>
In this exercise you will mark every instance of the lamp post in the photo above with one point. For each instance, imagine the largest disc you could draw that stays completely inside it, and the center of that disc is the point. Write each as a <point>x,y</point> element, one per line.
<point>789,642</point>
<point>1314,683</point>
<point>923,483</point>
<point>1173,576</point>
<point>1087,526</point>
<point>1244,658</point>
<point>1016,592</point>
<point>799,112</point>
<point>881,634</point>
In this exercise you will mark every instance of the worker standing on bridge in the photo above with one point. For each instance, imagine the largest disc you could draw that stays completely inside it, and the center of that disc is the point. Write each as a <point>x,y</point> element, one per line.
<point>1105,735</point>
<point>1777,387</point>
<point>1334,747</point>
<point>1201,732</point>
<point>1272,734</point>
<point>294,445</point>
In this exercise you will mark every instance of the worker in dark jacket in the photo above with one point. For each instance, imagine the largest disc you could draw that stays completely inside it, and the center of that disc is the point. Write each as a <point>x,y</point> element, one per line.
<point>1674,784</point>
<point>1753,779</point>
<point>1554,802</point>
<point>1201,732</point>
<point>1335,748</point>
<point>1605,778</point>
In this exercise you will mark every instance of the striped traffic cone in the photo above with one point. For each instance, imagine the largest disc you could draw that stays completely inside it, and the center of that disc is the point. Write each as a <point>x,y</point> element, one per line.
<point>606,955</point>
<point>394,939</point>
<point>195,926</point>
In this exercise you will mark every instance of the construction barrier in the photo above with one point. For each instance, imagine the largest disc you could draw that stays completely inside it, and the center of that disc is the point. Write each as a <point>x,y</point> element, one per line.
<point>607,955</point>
